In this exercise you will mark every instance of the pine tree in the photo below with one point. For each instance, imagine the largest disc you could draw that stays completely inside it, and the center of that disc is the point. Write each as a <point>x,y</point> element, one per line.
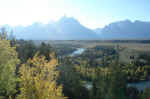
<point>145,94</point>
<point>3,34</point>
<point>117,83</point>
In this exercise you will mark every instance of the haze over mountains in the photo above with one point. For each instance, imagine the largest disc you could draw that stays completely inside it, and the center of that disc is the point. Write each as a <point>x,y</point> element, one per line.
<point>125,30</point>
<point>68,28</point>
<point>64,29</point>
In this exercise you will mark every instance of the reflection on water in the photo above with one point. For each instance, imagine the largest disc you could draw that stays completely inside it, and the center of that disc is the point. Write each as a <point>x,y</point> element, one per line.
<point>140,85</point>
<point>88,85</point>
<point>78,52</point>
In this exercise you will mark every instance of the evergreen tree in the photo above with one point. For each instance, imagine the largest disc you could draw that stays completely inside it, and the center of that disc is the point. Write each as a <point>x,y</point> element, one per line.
<point>70,78</point>
<point>26,50</point>
<point>45,49</point>
<point>145,94</point>
<point>109,84</point>
<point>117,85</point>
<point>3,34</point>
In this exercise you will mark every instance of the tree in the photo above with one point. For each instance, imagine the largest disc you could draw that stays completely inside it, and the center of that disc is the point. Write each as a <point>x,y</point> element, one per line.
<point>26,50</point>
<point>38,79</point>
<point>45,49</point>
<point>12,38</point>
<point>133,93</point>
<point>72,84</point>
<point>8,62</point>
<point>100,84</point>
<point>3,34</point>
<point>109,84</point>
<point>145,94</point>
<point>117,86</point>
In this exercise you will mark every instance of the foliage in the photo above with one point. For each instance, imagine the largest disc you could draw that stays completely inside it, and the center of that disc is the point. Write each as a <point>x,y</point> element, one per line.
<point>38,79</point>
<point>8,62</point>
<point>136,73</point>
<point>70,78</point>
<point>108,84</point>
<point>45,49</point>
<point>26,50</point>
<point>145,94</point>
<point>43,77</point>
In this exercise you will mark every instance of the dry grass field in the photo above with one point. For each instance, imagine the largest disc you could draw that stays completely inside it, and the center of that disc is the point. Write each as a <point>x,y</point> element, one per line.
<point>127,49</point>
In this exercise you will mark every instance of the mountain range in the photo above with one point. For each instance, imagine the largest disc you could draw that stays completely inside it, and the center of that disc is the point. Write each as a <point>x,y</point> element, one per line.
<point>63,29</point>
<point>68,28</point>
<point>126,30</point>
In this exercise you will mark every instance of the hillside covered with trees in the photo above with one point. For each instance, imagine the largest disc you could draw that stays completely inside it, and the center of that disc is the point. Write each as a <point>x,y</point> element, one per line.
<point>45,71</point>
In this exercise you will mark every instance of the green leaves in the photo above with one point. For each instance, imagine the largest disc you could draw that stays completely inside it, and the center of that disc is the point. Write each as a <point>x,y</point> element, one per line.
<point>8,62</point>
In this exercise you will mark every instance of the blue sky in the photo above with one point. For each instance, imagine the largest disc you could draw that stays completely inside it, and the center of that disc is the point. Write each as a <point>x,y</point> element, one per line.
<point>91,13</point>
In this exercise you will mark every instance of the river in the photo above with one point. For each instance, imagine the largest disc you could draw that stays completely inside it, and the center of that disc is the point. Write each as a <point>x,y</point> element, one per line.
<point>78,52</point>
<point>140,85</point>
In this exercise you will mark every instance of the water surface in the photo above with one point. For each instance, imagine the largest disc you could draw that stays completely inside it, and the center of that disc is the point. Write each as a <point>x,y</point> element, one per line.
<point>78,51</point>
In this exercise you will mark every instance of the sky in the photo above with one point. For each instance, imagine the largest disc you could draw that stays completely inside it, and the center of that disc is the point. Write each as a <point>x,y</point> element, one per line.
<point>91,13</point>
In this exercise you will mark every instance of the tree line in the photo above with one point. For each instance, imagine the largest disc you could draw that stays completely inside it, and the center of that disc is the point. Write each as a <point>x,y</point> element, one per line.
<point>28,71</point>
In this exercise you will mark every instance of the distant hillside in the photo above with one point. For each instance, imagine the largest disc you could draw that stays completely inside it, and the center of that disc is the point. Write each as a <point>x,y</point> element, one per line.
<point>68,28</point>
<point>64,29</point>
<point>125,30</point>
<point>98,31</point>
